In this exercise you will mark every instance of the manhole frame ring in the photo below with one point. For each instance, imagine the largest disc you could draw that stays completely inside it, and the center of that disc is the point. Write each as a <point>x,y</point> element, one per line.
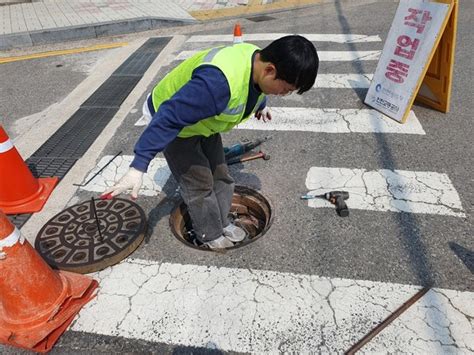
<point>240,245</point>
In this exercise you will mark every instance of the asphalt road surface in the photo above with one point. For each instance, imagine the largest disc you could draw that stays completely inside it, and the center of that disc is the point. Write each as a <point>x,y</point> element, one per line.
<point>314,281</point>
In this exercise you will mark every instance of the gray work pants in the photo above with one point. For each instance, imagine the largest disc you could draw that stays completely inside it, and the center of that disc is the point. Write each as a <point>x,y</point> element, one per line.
<point>198,164</point>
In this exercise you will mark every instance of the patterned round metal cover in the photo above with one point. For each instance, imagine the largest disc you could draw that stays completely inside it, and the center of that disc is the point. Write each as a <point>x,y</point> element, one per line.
<point>92,235</point>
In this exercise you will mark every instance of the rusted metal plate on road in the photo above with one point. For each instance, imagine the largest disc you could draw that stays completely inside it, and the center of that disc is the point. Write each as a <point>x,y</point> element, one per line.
<point>77,240</point>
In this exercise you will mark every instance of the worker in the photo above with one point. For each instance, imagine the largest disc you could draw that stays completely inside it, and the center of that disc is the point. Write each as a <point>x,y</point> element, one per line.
<point>207,94</point>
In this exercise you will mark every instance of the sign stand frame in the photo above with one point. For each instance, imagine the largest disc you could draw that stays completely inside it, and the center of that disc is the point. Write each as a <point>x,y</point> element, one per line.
<point>435,89</point>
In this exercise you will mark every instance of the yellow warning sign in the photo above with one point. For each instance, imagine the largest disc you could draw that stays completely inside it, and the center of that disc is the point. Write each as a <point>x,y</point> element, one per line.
<point>417,59</point>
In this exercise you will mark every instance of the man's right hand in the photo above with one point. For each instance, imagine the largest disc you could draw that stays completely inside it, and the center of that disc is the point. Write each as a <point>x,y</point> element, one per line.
<point>132,180</point>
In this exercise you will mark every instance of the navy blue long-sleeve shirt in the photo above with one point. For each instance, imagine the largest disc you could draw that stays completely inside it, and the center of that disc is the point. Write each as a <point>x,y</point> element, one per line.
<point>205,95</point>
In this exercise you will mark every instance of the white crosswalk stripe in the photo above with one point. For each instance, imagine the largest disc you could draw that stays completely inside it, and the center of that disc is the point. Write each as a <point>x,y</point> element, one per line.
<point>324,56</point>
<point>343,81</point>
<point>153,181</point>
<point>334,81</point>
<point>387,190</point>
<point>247,310</point>
<point>250,37</point>
<point>348,56</point>
<point>333,121</point>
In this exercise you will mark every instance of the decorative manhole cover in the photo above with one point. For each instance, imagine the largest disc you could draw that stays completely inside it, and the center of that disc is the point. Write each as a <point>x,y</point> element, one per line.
<point>250,210</point>
<point>92,235</point>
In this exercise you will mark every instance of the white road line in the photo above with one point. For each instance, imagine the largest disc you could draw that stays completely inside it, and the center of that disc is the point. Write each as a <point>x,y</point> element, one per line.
<point>333,120</point>
<point>343,81</point>
<point>249,37</point>
<point>324,56</point>
<point>284,119</point>
<point>153,181</point>
<point>432,308</point>
<point>248,310</point>
<point>348,56</point>
<point>387,190</point>
<point>331,81</point>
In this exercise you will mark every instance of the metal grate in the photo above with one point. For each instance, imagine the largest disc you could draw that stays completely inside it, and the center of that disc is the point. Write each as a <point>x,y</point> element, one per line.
<point>72,140</point>
<point>112,93</point>
<point>76,136</point>
<point>45,167</point>
<point>19,219</point>
<point>137,64</point>
<point>155,44</point>
<point>141,59</point>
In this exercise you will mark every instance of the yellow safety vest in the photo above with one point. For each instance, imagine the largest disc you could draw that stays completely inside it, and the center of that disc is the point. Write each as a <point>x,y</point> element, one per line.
<point>236,63</point>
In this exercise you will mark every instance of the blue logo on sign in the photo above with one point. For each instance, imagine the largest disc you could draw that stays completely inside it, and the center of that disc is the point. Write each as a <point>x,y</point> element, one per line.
<point>378,88</point>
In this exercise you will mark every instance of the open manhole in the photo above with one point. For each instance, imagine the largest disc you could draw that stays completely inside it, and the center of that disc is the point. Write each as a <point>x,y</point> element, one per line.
<point>92,235</point>
<point>250,210</point>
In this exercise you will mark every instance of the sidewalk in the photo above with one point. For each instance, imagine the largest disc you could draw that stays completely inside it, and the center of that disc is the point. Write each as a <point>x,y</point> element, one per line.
<point>49,21</point>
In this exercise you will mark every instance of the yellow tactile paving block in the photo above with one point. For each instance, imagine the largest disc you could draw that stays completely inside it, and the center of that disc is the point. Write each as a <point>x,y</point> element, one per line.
<point>253,7</point>
<point>62,52</point>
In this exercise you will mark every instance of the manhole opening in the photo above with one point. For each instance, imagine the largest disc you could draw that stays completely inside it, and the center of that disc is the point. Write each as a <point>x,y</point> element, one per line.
<point>250,210</point>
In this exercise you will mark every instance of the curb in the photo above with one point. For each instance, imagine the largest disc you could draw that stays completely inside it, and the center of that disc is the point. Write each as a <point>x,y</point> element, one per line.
<point>73,33</point>
<point>254,9</point>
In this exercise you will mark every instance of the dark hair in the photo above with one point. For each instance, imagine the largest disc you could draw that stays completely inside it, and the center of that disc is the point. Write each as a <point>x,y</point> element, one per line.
<point>295,59</point>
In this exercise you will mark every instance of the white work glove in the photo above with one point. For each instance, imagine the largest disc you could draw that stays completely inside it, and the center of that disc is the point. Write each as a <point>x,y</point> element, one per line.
<point>264,114</point>
<point>146,114</point>
<point>132,180</point>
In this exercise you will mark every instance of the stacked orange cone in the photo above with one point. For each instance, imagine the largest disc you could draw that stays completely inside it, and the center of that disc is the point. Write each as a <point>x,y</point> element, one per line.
<point>237,34</point>
<point>37,304</point>
<point>20,191</point>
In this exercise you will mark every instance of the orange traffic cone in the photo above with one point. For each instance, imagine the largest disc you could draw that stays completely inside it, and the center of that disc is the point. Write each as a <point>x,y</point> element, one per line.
<point>37,304</point>
<point>20,191</point>
<point>237,33</point>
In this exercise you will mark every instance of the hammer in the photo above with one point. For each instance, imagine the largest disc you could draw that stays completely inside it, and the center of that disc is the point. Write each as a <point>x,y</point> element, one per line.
<point>248,157</point>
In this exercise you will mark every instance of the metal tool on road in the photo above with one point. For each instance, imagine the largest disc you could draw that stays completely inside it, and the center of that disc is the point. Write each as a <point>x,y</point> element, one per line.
<point>337,198</point>
<point>248,157</point>
<point>100,170</point>
<point>368,337</point>
<point>101,237</point>
<point>242,148</point>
